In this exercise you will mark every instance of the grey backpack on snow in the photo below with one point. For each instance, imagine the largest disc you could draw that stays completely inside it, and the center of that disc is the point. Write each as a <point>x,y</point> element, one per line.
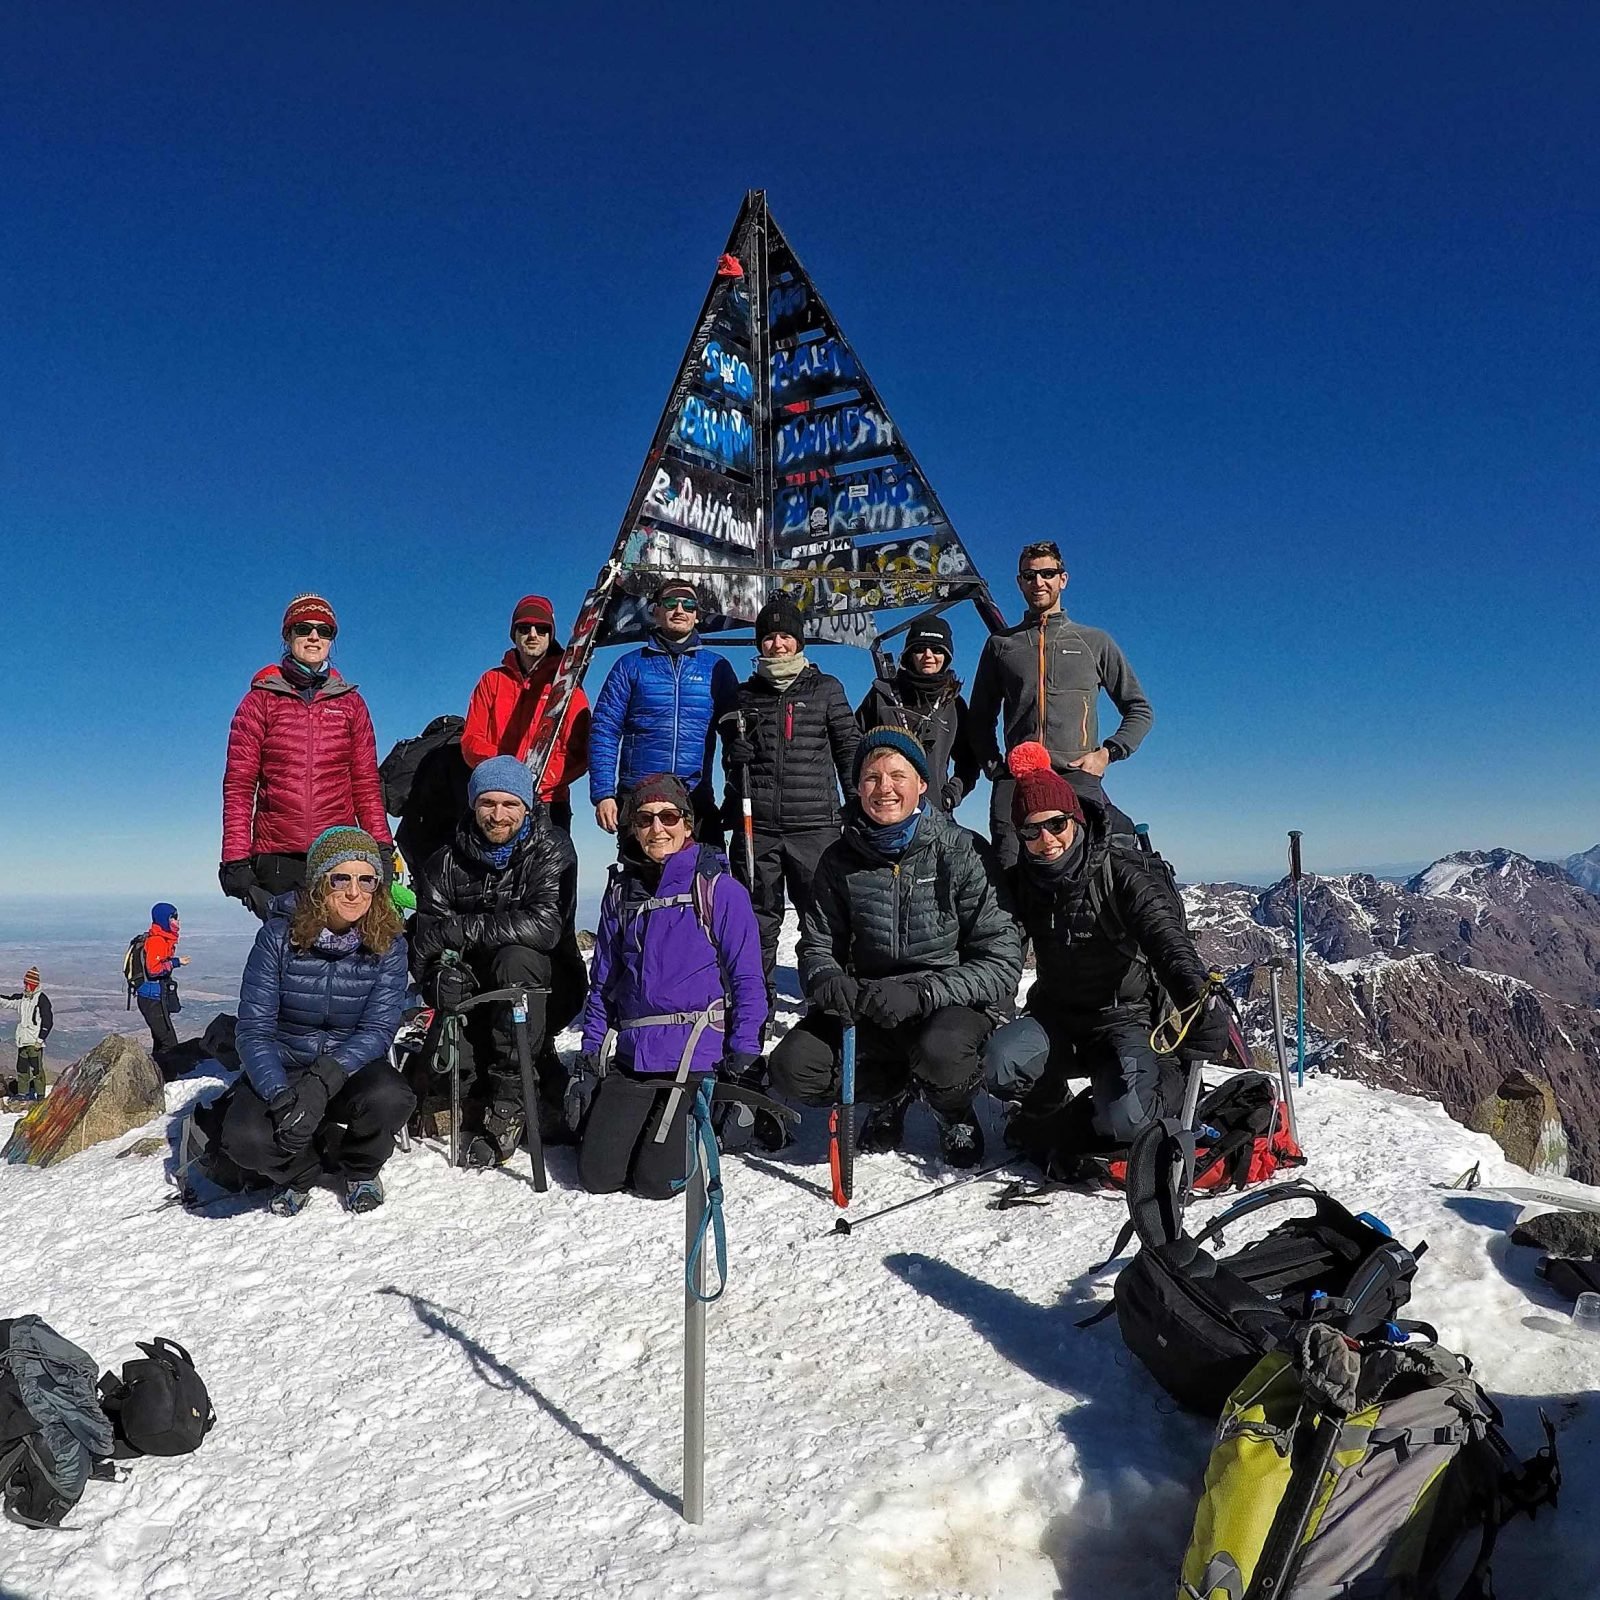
<point>52,1429</point>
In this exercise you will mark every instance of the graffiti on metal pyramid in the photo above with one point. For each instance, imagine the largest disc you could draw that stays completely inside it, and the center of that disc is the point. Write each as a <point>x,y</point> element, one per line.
<point>777,464</point>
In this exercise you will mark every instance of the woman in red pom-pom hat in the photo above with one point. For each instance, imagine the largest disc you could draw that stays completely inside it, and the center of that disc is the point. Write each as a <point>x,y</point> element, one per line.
<point>1107,927</point>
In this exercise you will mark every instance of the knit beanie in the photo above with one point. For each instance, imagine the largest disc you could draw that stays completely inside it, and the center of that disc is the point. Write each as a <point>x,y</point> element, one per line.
<point>660,788</point>
<point>334,845</point>
<point>534,608</point>
<point>780,615</point>
<point>500,775</point>
<point>931,630</point>
<point>670,587</point>
<point>887,738</point>
<point>309,608</point>
<point>30,978</point>
<point>162,915</point>
<point>1039,786</point>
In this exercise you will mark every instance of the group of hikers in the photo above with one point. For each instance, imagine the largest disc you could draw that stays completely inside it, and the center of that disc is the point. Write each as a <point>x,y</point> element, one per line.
<point>912,926</point>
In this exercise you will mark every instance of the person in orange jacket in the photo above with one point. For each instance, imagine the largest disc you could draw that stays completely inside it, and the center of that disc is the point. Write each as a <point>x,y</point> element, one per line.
<point>509,702</point>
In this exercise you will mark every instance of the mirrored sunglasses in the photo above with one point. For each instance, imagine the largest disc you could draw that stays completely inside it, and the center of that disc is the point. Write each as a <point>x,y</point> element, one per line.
<point>1057,825</point>
<point>364,881</point>
<point>679,602</point>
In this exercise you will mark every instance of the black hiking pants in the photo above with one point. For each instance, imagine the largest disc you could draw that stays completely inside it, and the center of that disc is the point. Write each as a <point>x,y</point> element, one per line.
<point>159,1020</point>
<point>619,1148</point>
<point>274,874</point>
<point>1007,846</point>
<point>936,1057</point>
<point>783,861</point>
<point>371,1108</point>
<point>1029,1061</point>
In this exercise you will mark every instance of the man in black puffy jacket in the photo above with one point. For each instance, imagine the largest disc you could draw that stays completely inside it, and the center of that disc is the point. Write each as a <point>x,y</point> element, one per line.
<point>791,740</point>
<point>907,940</point>
<point>503,896</point>
<point>1107,926</point>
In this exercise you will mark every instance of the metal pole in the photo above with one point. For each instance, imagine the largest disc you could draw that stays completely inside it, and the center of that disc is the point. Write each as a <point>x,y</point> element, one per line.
<point>1191,1095</point>
<point>1275,966</point>
<point>1299,955</point>
<point>694,1339</point>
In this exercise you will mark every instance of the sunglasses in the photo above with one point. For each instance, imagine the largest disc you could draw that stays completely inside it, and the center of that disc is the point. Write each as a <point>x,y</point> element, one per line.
<point>679,603</point>
<point>530,627</point>
<point>364,881</point>
<point>1039,575</point>
<point>667,816</point>
<point>1057,825</point>
<point>313,630</point>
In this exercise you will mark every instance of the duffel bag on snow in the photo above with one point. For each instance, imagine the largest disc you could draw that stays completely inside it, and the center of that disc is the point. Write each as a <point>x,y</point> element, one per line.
<point>159,1406</point>
<point>1345,1473</point>
<point>1199,1322</point>
<point>52,1430</point>
<point>1241,1136</point>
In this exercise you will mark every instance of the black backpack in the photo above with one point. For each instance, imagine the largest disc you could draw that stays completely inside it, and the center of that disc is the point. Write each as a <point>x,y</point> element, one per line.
<point>133,967</point>
<point>1199,1322</point>
<point>159,1406</point>
<point>398,770</point>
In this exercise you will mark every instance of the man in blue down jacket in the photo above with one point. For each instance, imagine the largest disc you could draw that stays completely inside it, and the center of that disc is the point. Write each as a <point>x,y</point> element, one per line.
<point>319,1005</point>
<point>657,712</point>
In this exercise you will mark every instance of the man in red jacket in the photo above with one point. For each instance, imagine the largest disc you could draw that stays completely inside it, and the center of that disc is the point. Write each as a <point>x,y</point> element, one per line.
<point>301,759</point>
<point>508,706</point>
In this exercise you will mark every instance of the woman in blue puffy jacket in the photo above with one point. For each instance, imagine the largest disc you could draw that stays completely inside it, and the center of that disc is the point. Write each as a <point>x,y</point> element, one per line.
<point>319,1006</point>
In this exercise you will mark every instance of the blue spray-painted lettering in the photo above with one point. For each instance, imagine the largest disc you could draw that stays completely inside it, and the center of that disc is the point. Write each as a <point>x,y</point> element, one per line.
<point>840,434</point>
<point>718,431</point>
<point>787,302</point>
<point>726,369</point>
<point>882,501</point>
<point>809,367</point>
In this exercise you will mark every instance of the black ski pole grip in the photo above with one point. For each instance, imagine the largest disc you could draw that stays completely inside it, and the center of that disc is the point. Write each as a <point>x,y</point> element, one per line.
<point>1294,853</point>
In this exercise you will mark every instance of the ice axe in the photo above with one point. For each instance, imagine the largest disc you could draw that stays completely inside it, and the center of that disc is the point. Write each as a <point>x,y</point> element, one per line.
<point>736,717</point>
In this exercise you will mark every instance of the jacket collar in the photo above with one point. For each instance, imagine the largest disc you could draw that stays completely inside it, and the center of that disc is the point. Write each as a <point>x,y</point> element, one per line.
<point>271,678</point>
<point>930,825</point>
<point>511,665</point>
<point>473,846</point>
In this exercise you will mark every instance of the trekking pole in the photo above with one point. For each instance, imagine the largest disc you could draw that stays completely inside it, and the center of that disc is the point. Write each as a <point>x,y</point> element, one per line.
<point>1275,967</point>
<point>842,1123</point>
<point>745,810</point>
<point>845,1226</point>
<point>1299,954</point>
<point>694,1336</point>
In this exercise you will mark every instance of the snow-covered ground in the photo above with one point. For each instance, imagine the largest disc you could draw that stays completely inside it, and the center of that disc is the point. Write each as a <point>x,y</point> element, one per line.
<point>475,1391</point>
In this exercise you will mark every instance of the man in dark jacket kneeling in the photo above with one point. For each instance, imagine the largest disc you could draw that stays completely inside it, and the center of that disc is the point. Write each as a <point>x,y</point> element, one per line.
<point>907,940</point>
<point>502,895</point>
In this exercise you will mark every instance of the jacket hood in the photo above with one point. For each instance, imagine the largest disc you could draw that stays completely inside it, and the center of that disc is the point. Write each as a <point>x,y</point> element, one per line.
<point>271,679</point>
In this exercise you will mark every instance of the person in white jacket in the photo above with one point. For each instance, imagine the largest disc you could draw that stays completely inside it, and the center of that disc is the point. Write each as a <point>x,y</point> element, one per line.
<point>34,1021</point>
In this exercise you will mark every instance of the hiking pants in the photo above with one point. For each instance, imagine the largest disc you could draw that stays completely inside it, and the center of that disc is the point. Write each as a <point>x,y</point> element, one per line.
<point>372,1107</point>
<point>275,875</point>
<point>159,1020</point>
<point>1007,846</point>
<point>1024,1057</point>
<point>937,1057</point>
<point>30,1069</point>
<point>490,1067</point>
<point>618,1148</point>
<point>783,860</point>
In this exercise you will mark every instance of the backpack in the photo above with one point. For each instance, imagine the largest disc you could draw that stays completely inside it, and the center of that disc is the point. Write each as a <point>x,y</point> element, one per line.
<point>1241,1135</point>
<point>52,1429</point>
<point>1362,1474</point>
<point>398,770</point>
<point>133,967</point>
<point>1199,1322</point>
<point>159,1406</point>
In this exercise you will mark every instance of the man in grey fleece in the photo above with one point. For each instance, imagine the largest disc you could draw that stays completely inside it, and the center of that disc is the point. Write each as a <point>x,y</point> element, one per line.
<point>1043,679</point>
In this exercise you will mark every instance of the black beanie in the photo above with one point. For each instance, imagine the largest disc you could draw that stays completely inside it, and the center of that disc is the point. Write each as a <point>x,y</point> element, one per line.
<point>780,615</point>
<point>931,630</point>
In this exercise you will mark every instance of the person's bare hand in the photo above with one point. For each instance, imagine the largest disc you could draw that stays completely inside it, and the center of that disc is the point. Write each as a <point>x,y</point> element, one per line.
<point>1095,763</point>
<point>605,814</point>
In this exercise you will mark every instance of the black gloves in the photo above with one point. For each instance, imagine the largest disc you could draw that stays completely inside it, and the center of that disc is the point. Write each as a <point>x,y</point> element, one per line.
<point>889,1002</point>
<point>451,986</point>
<point>838,993</point>
<point>953,793</point>
<point>741,752</point>
<point>742,1067</point>
<point>1207,1038</point>
<point>298,1111</point>
<point>582,1087</point>
<point>996,769</point>
<point>237,878</point>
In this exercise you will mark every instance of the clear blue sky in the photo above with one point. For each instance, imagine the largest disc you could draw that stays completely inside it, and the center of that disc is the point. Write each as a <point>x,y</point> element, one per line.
<point>1283,319</point>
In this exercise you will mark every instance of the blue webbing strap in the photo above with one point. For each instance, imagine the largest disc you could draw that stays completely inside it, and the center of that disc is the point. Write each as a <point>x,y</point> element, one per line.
<point>703,1150</point>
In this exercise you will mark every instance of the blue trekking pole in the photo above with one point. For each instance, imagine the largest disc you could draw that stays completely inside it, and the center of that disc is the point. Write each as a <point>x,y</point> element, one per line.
<point>842,1123</point>
<point>1299,954</point>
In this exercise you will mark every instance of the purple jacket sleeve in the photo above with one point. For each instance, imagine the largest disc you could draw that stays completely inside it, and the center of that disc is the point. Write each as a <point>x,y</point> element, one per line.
<point>738,940</point>
<point>594,1008</point>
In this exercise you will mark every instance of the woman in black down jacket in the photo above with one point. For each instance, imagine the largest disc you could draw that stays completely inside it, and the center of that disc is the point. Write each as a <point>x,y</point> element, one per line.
<point>796,748</point>
<point>319,1006</point>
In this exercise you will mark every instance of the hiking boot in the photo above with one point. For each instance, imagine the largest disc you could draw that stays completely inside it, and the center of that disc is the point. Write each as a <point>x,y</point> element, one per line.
<point>289,1202</point>
<point>502,1125</point>
<point>480,1152</point>
<point>362,1195</point>
<point>884,1126</point>
<point>961,1139</point>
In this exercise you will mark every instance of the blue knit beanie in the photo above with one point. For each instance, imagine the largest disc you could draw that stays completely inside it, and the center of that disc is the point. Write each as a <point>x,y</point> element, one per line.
<point>887,738</point>
<point>162,914</point>
<point>501,775</point>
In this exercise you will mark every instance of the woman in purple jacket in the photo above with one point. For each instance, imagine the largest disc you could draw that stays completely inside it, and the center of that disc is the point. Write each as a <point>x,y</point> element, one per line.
<point>676,992</point>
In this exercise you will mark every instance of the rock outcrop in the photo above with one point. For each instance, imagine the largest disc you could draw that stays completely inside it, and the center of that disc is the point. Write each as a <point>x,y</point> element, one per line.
<point>104,1095</point>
